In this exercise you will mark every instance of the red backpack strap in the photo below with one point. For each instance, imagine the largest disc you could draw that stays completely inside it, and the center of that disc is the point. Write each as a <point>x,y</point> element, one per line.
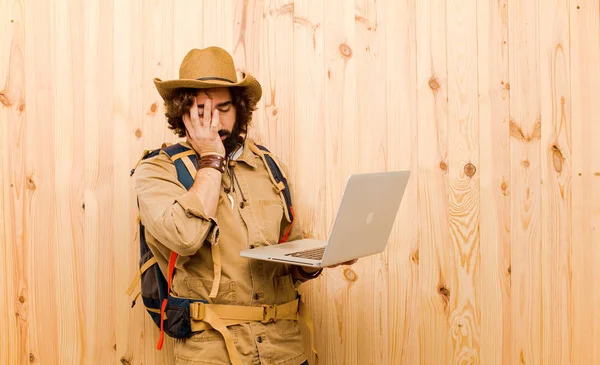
<point>163,308</point>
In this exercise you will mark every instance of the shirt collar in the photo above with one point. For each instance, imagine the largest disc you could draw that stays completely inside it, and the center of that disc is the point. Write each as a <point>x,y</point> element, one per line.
<point>247,156</point>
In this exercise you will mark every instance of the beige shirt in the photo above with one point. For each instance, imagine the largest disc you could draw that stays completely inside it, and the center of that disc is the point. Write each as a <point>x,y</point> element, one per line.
<point>174,220</point>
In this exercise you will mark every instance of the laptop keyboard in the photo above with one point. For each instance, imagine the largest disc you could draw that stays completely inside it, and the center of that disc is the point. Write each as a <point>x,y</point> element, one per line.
<point>312,254</point>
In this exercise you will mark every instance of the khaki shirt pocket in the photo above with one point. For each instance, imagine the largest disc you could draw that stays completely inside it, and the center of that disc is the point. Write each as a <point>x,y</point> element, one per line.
<point>206,347</point>
<point>284,288</point>
<point>200,289</point>
<point>271,216</point>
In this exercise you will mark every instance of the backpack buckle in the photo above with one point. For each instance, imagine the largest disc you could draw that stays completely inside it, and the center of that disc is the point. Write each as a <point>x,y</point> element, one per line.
<point>269,314</point>
<point>197,311</point>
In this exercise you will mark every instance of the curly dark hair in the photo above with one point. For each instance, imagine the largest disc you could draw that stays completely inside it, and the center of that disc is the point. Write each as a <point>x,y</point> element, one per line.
<point>181,100</point>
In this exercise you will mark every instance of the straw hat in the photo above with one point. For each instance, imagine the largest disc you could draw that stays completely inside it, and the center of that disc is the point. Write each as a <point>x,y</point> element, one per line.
<point>208,68</point>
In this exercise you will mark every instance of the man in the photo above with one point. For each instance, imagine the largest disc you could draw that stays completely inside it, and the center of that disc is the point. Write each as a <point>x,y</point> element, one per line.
<point>232,205</point>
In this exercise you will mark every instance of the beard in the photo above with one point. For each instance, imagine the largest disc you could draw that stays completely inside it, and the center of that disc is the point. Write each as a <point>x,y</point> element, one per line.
<point>231,142</point>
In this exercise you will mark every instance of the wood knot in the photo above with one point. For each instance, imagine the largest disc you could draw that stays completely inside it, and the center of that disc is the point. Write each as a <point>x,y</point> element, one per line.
<point>507,86</point>
<point>415,256</point>
<point>522,357</point>
<point>434,84</point>
<point>21,108</point>
<point>345,50</point>
<point>275,111</point>
<point>153,108</point>
<point>595,174</point>
<point>504,186</point>
<point>525,164</point>
<point>30,184</point>
<point>470,169</point>
<point>444,291</point>
<point>138,133</point>
<point>350,275</point>
<point>125,361</point>
<point>31,357</point>
<point>21,299</point>
<point>4,99</point>
<point>329,73</point>
<point>443,166</point>
<point>517,132</point>
<point>445,294</point>
<point>557,159</point>
<point>509,270</point>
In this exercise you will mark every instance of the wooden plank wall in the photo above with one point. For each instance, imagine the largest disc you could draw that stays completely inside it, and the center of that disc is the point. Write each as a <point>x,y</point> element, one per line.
<point>495,256</point>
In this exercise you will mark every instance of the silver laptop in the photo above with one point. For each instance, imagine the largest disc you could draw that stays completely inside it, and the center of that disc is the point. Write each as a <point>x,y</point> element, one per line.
<point>362,225</point>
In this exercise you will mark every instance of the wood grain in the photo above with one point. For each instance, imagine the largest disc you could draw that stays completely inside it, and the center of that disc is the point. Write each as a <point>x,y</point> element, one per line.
<point>525,162</point>
<point>41,224</point>
<point>402,254</point>
<point>14,284</point>
<point>495,254</point>
<point>276,65</point>
<point>187,30</point>
<point>127,135</point>
<point>435,249</point>
<point>66,62</point>
<point>494,179</point>
<point>463,162</point>
<point>556,170</point>
<point>584,28</point>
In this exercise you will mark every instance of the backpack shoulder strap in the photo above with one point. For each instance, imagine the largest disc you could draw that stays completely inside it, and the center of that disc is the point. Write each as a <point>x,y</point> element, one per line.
<point>186,163</point>
<point>184,158</point>
<point>279,181</point>
<point>146,154</point>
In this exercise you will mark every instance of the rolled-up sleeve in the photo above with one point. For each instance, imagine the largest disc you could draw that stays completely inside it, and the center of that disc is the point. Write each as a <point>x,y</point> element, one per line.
<point>172,215</point>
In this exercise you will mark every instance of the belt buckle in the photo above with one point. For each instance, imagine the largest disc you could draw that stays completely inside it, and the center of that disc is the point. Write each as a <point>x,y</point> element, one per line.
<point>269,313</point>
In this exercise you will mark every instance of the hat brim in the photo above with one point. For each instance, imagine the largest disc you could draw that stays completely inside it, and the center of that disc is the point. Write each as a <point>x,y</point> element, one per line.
<point>167,87</point>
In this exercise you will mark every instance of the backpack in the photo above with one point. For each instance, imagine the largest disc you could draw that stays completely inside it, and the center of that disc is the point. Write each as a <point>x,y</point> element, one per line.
<point>170,314</point>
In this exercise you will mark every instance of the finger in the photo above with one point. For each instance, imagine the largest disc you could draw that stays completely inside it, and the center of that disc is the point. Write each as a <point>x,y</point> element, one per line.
<point>196,120</point>
<point>215,126</point>
<point>207,113</point>
<point>189,127</point>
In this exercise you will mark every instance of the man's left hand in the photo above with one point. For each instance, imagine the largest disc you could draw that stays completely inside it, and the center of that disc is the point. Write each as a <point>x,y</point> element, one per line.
<point>347,263</point>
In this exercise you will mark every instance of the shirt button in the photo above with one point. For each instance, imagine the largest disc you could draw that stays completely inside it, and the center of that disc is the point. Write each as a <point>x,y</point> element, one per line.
<point>259,339</point>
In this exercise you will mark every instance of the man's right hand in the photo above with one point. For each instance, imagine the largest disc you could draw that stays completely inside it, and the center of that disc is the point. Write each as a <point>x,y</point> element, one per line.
<point>203,131</point>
